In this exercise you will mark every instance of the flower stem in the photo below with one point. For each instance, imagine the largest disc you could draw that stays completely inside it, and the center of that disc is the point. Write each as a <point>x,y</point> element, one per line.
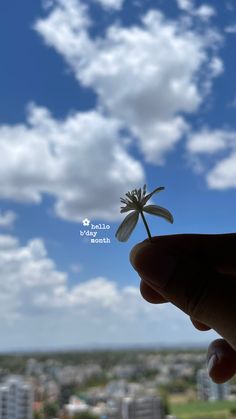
<point>146,225</point>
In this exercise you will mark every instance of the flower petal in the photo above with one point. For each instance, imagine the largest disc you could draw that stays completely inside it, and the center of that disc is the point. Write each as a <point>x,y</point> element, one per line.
<point>160,211</point>
<point>147,197</point>
<point>139,194</point>
<point>128,194</point>
<point>128,207</point>
<point>144,190</point>
<point>127,226</point>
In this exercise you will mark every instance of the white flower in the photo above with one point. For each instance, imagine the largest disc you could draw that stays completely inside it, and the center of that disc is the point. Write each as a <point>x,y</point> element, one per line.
<point>86,222</point>
<point>136,202</point>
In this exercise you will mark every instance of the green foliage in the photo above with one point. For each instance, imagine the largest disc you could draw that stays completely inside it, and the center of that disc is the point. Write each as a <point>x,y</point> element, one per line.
<point>203,409</point>
<point>38,415</point>
<point>98,381</point>
<point>208,416</point>
<point>179,385</point>
<point>85,415</point>
<point>50,410</point>
<point>165,400</point>
<point>105,358</point>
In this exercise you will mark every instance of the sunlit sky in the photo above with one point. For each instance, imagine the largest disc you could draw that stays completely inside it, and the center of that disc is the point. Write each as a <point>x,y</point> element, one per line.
<point>99,97</point>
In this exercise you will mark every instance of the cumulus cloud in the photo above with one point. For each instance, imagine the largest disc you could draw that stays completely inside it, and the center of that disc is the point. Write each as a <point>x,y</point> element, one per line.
<point>82,161</point>
<point>231,29</point>
<point>203,12</point>
<point>216,66</point>
<point>142,74</point>
<point>146,86</point>
<point>186,5</point>
<point>111,4</point>
<point>25,271</point>
<point>210,141</point>
<point>220,147</point>
<point>7,218</point>
<point>31,284</point>
<point>32,289</point>
<point>223,175</point>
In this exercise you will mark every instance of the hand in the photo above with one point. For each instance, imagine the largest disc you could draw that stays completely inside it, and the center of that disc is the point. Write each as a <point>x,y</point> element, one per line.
<point>197,273</point>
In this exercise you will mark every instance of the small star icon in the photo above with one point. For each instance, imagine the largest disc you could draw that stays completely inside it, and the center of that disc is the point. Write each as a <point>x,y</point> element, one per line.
<point>86,222</point>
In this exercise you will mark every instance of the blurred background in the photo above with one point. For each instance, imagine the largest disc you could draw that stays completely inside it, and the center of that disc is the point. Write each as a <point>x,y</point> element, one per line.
<point>99,97</point>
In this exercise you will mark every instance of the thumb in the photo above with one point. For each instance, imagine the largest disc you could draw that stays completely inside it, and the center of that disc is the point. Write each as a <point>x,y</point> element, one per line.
<point>197,273</point>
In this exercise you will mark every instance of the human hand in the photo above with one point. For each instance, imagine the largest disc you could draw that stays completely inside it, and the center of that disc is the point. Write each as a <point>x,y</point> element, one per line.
<point>197,273</point>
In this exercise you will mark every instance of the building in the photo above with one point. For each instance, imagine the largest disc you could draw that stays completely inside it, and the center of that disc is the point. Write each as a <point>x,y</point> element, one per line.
<point>208,390</point>
<point>76,405</point>
<point>146,407</point>
<point>16,398</point>
<point>65,393</point>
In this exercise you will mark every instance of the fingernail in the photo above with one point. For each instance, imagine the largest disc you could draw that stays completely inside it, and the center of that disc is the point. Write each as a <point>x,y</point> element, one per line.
<point>212,363</point>
<point>153,263</point>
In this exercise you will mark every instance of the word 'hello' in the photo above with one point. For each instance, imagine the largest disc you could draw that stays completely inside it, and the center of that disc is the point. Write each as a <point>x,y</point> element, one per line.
<point>100,226</point>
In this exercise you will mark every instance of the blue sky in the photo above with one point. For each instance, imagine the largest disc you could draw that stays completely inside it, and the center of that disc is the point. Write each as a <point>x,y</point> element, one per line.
<point>97,98</point>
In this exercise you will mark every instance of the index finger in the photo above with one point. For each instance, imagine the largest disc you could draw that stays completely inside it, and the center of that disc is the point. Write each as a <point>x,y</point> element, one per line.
<point>150,294</point>
<point>218,248</point>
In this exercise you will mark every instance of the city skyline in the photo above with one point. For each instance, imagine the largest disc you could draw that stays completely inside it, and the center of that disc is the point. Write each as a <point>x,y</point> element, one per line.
<point>99,97</point>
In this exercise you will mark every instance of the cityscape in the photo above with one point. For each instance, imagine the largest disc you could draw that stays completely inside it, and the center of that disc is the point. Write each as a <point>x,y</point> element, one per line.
<point>103,99</point>
<point>115,384</point>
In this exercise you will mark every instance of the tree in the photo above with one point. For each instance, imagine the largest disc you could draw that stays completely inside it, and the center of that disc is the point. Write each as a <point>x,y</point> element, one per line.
<point>50,410</point>
<point>85,415</point>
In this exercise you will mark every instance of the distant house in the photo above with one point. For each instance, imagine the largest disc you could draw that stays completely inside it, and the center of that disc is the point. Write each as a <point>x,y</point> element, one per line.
<point>75,405</point>
<point>147,407</point>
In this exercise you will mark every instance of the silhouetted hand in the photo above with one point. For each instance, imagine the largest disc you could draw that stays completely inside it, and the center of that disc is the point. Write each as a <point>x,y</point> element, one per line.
<point>197,273</point>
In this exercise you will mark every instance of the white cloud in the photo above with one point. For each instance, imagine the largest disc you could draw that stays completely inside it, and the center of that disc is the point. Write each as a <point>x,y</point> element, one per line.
<point>161,138</point>
<point>186,5</point>
<point>82,161</point>
<point>216,144</point>
<point>30,283</point>
<point>142,74</point>
<point>25,271</point>
<point>113,4</point>
<point>97,311</point>
<point>145,83</point>
<point>205,12</point>
<point>208,141</point>
<point>232,104</point>
<point>76,267</point>
<point>72,18</point>
<point>231,29</point>
<point>216,66</point>
<point>7,218</point>
<point>223,175</point>
<point>230,6</point>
